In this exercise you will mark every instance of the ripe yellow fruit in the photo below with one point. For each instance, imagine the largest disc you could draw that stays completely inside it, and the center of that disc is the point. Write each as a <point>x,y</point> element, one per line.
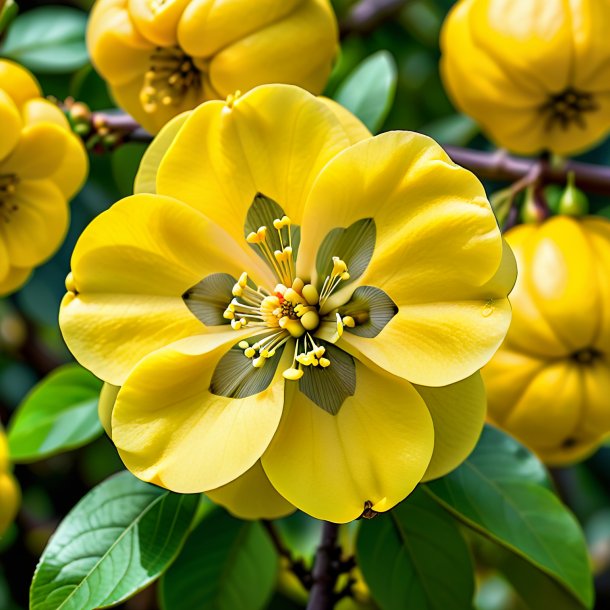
<point>533,73</point>
<point>549,383</point>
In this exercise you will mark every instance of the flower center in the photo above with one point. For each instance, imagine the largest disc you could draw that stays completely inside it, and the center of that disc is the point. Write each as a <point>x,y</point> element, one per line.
<point>294,310</point>
<point>8,187</point>
<point>567,108</point>
<point>171,74</point>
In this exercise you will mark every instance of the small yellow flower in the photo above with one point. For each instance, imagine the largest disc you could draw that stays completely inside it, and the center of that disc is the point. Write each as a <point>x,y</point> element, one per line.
<point>533,73</point>
<point>295,311</point>
<point>162,57</point>
<point>549,383</point>
<point>42,164</point>
<point>10,495</point>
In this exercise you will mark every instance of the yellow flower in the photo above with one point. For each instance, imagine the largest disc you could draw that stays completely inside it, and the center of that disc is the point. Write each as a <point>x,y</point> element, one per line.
<point>295,311</point>
<point>533,73</point>
<point>10,495</point>
<point>42,164</point>
<point>162,57</point>
<point>549,383</point>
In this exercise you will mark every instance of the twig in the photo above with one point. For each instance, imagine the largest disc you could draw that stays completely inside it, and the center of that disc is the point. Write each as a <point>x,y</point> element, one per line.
<point>297,567</point>
<point>367,15</point>
<point>326,570</point>
<point>507,168</point>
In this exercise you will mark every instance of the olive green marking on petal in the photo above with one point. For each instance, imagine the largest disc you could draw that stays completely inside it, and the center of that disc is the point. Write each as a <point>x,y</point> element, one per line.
<point>329,387</point>
<point>236,377</point>
<point>208,299</point>
<point>353,245</point>
<point>371,309</point>
<point>262,212</point>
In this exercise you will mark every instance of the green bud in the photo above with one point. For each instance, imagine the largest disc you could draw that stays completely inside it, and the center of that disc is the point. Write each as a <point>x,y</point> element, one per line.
<point>532,211</point>
<point>573,202</point>
<point>501,202</point>
<point>552,194</point>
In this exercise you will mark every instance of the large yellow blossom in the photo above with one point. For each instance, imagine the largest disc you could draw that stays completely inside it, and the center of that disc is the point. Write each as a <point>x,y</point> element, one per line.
<point>9,490</point>
<point>549,384</point>
<point>42,164</point>
<point>533,73</point>
<point>162,57</point>
<point>295,311</point>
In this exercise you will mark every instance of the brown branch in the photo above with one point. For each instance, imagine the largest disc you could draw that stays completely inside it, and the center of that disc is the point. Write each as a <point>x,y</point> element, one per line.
<point>326,570</point>
<point>366,15</point>
<point>507,168</point>
<point>297,567</point>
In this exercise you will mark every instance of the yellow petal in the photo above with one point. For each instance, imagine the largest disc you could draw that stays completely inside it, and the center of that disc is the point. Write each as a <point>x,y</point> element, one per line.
<point>458,415</point>
<point>354,128</point>
<point>567,456</point>
<point>251,496</point>
<point>438,255</point>
<point>298,50</point>
<point>38,153</point>
<point>207,26</point>
<point>435,229</point>
<point>106,406</point>
<point>562,280</point>
<point>506,377</point>
<point>118,51</point>
<point>131,267</point>
<point>18,83</point>
<point>10,497</point>
<point>157,21</point>
<point>273,140</point>
<point>11,124</point>
<point>146,178</point>
<point>172,431</point>
<point>38,225</point>
<point>73,168</point>
<point>597,231</point>
<point>14,279</point>
<point>40,110</point>
<point>548,428</point>
<point>530,331</point>
<point>329,466</point>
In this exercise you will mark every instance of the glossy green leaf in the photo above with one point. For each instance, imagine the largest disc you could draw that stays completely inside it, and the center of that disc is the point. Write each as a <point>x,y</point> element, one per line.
<point>226,564</point>
<point>48,39</point>
<point>501,493</point>
<point>415,557</point>
<point>59,414</point>
<point>368,92</point>
<point>118,539</point>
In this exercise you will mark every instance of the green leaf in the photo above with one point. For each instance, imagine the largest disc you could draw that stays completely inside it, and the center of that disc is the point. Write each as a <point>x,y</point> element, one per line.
<point>226,564</point>
<point>368,92</point>
<point>119,538</point>
<point>59,414</point>
<point>501,493</point>
<point>456,129</point>
<point>48,39</point>
<point>416,557</point>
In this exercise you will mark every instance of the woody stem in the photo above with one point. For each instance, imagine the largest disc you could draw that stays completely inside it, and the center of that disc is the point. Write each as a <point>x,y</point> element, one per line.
<point>326,569</point>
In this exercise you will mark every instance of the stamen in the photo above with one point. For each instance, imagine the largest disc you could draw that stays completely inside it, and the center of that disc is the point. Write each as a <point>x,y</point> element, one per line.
<point>338,274</point>
<point>8,188</point>
<point>171,75</point>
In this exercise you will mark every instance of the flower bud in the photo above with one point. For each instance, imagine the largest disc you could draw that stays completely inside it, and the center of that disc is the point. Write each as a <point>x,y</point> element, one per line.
<point>573,201</point>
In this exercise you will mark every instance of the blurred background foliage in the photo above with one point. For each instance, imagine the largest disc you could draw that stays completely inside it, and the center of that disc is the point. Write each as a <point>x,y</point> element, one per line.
<point>49,39</point>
